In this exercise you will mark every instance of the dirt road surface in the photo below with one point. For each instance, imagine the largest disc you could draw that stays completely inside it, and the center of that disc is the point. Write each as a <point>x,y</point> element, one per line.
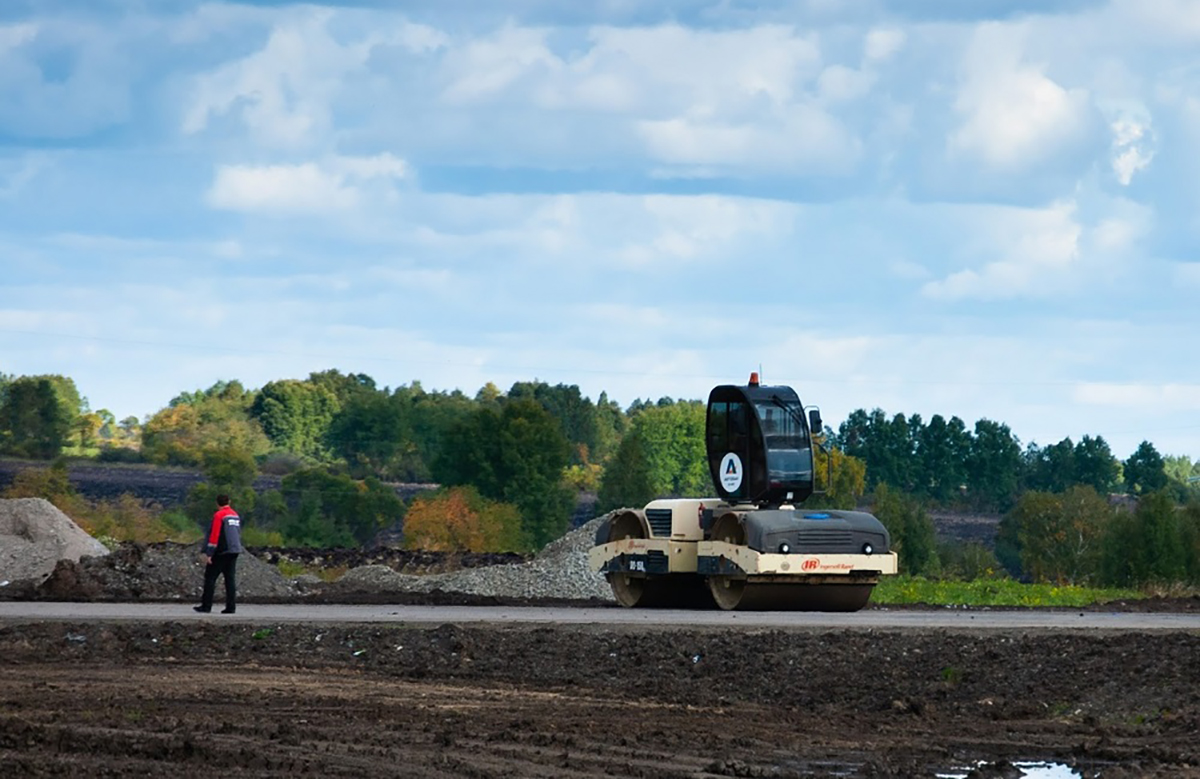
<point>870,619</point>
<point>259,695</point>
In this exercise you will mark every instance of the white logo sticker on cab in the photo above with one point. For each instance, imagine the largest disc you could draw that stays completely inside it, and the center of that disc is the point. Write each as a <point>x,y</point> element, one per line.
<point>731,472</point>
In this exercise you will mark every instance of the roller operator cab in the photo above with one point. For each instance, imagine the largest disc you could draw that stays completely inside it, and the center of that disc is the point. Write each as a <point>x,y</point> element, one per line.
<point>751,547</point>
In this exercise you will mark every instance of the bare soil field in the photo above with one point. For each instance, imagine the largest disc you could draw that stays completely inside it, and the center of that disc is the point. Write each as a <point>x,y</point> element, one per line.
<point>253,698</point>
<point>138,699</point>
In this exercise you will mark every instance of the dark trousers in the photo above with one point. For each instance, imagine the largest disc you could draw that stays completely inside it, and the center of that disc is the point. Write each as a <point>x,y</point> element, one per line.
<point>226,565</point>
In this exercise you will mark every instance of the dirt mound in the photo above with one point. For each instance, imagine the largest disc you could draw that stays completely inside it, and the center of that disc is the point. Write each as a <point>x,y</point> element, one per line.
<point>35,536</point>
<point>157,572</point>
<point>560,572</point>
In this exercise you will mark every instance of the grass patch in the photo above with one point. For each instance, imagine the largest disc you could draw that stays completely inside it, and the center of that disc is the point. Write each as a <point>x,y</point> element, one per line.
<point>332,574</point>
<point>291,570</point>
<point>990,592</point>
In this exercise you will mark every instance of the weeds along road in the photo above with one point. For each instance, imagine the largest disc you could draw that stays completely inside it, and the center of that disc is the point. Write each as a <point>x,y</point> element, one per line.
<point>868,619</point>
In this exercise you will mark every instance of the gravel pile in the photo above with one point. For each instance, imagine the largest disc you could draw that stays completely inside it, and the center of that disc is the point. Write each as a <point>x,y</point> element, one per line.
<point>559,571</point>
<point>35,535</point>
<point>174,572</point>
<point>158,572</point>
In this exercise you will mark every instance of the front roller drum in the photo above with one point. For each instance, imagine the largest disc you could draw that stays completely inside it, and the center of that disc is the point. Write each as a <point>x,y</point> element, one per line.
<point>731,592</point>
<point>743,595</point>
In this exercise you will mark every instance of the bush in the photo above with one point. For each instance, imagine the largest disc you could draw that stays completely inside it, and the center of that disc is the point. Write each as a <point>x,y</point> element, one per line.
<point>119,454</point>
<point>968,561</point>
<point>255,537</point>
<point>319,508</point>
<point>911,531</point>
<point>459,519</point>
<point>281,464</point>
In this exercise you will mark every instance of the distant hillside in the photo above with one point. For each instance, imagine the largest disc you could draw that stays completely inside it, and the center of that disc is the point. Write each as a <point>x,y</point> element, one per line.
<point>167,487</point>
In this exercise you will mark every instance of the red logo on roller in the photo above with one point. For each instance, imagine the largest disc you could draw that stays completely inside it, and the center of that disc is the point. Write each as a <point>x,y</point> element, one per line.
<point>810,564</point>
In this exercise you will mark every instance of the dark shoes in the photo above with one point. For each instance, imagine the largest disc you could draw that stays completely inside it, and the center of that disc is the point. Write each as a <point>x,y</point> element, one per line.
<point>228,611</point>
<point>201,609</point>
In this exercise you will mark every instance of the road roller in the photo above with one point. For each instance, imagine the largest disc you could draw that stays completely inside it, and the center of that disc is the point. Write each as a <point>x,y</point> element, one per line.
<point>754,546</point>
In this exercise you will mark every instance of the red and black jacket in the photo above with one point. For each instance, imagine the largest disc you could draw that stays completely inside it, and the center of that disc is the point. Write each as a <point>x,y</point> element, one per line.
<point>225,535</point>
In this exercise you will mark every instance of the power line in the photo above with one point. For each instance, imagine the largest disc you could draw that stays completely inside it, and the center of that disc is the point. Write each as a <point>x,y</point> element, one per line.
<point>558,369</point>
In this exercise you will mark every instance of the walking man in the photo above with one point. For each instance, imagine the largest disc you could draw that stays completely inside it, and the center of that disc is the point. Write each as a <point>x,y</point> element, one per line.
<point>221,552</point>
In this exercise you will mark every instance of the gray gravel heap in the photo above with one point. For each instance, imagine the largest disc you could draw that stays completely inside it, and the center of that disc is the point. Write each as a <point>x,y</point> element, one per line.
<point>35,535</point>
<point>559,571</point>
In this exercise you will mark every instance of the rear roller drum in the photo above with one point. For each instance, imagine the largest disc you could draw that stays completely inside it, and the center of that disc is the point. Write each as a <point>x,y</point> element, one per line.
<point>678,591</point>
<point>628,590</point>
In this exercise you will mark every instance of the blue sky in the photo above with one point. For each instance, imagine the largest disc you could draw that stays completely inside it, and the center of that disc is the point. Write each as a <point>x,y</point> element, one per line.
<point>983,209</point>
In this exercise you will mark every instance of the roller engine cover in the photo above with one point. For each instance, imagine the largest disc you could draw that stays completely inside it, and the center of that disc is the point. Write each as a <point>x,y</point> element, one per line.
<point>808,531</point>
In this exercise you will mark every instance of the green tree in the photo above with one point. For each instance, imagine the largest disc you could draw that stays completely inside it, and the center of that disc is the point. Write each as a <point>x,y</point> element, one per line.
<point>941,453</point>
<point>329,509</point>
<point>343,386</point>
<point>194,422</point>
<point>296,415</point>
<point>1050,469</point>
<point>372,433</point>
<point>1060,534</point>
<point>1147,545</point>
<point>910,528</point>
<point>611,425</point>
<point>433,415</point>
<point>888,447</point>
<point>575,413</point>
<point>34,421</point>
<point>227,470</point>
<point>626,481</point>
<point>1145,470</point>
<point>672,436</point>
<point>846,477</point>
<point>1189,524</point>
<point>516,455</point>
<point>1095,465</point>
<point>993,465</point>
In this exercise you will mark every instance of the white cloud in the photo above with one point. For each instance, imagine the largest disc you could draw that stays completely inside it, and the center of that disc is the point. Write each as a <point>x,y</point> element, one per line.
<point>61,78</point>
<point>1162,20</point>
<point>702,100</point>
<point>284,91</point>
<point>906,269</point>
<point>379,166</point>
<point>1036,250</point>
<point>14,35</point>
<point>488,66</point>
<point>839,83</point>
<point>804,137</point>
<point>1013,114</point>
<point>16,174</point>
<point>880,44</point>
<point>1130,147</point>
<point>1162,397</point>
<point>336,184</point>
<point>1049,253</point>
<point>693,228</point>
<point>1187,273</point>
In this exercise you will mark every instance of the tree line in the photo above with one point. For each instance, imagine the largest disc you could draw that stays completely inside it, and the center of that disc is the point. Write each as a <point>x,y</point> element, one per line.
<point>985,468</point>
<point>510,465</point>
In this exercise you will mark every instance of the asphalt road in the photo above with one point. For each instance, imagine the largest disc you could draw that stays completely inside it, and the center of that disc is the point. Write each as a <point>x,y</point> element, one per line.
<point>869,619</point>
